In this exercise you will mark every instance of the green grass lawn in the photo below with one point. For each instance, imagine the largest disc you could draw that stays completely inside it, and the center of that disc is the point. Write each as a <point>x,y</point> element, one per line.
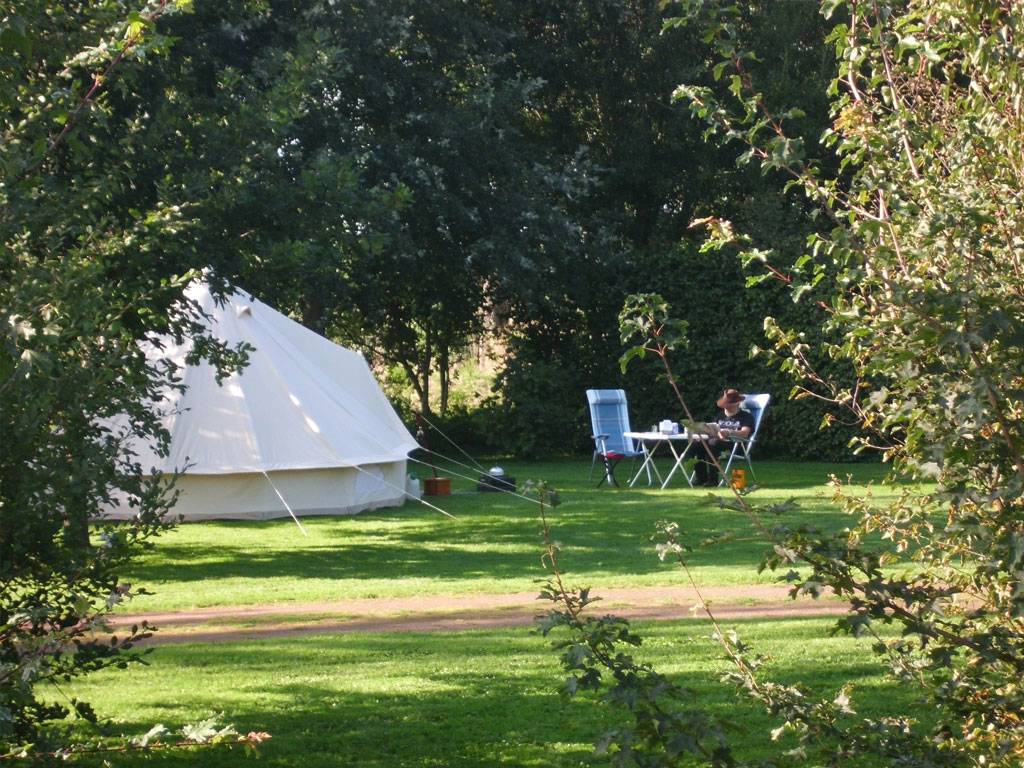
<point>451,699</point>
<point>474,698</point>
<point>493,545</point>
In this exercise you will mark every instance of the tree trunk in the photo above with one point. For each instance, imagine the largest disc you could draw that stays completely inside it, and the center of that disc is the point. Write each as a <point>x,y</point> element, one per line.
<point>424,376</point>
<point>413,372</point>
<point>442,369</point>
<point>76,532</point>
<point>76,513</point>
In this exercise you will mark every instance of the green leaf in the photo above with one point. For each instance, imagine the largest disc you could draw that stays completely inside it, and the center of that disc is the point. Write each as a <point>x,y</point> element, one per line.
<point>829,7</point>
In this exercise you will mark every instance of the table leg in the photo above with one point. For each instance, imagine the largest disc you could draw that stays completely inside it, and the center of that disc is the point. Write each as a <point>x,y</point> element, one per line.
<point>654,466</point>
<point>648,463</point>
<point>648,456</point>
<point>688,475</point>
<point>679,459</point>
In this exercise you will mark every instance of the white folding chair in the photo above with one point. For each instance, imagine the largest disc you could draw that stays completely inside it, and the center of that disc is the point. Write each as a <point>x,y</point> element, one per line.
<point>756,405</point>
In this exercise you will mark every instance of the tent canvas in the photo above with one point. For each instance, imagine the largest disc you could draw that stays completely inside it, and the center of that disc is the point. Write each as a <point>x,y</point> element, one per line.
<point>305,421</point>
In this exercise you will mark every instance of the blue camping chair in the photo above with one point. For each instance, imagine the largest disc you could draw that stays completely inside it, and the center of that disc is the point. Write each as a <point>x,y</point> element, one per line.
<point>756,405</point>
<point>609,418</point>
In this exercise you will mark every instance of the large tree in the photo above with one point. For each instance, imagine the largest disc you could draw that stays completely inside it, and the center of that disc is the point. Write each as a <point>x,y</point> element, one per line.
<point>363,166</point>
<point>440,99</point>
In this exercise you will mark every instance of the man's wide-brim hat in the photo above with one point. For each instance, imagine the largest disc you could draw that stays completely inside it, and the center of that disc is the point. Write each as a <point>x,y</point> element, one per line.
<point>730,397</point>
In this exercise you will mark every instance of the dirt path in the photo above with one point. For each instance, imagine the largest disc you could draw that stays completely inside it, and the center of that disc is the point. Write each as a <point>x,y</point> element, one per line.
<point>463,612</point>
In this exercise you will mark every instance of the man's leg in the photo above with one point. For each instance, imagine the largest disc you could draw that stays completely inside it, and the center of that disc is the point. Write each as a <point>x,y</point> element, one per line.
<point>712,475</point>
<point>700,471</point>
<point>710,470</point>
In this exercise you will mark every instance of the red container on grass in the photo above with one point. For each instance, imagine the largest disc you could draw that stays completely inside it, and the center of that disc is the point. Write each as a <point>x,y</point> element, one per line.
<point>437,486</point>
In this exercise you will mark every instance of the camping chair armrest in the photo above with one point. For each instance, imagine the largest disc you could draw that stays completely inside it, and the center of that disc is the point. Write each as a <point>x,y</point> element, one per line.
<point>599,437</point>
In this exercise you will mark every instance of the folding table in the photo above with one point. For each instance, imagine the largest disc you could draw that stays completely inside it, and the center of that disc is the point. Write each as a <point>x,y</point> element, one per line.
<point>651,441</point>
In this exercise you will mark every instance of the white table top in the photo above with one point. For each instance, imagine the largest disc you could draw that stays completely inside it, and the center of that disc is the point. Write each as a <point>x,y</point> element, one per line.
<point>651,436</point>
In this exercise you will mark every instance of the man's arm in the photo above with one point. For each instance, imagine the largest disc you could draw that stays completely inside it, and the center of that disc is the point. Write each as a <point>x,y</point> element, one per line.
<point>743,432</point>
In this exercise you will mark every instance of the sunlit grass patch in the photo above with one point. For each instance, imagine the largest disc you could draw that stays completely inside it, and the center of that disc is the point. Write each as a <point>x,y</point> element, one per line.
<point>493,545</point>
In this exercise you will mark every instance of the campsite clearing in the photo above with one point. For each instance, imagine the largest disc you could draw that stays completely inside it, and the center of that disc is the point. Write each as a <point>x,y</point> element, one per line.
<point>492,547</point>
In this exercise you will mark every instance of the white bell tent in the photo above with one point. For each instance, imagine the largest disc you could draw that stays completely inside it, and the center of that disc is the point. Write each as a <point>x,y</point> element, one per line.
<point>303,428</point>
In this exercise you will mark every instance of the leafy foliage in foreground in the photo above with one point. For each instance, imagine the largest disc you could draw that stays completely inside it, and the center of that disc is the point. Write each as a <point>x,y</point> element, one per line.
<point>88,269</point>
<point>919,280</point>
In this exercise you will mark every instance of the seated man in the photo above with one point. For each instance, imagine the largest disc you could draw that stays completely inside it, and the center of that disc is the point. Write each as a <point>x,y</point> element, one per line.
<point>733,422</point>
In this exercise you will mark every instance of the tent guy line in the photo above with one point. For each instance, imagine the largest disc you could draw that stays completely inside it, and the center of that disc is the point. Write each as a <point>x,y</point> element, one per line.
<point>458,447</point>
<point>286,505</point>
<point>404,492</point>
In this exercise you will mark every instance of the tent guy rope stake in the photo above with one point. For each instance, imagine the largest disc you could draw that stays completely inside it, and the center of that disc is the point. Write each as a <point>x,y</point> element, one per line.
<point>285,503</point>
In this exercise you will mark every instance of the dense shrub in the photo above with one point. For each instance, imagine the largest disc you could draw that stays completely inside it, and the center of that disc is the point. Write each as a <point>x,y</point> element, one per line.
<point>540,401</point>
